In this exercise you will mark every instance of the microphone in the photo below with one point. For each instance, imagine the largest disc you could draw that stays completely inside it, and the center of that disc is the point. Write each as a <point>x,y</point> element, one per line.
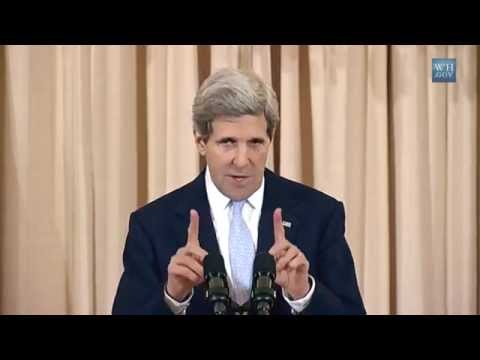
<point>216,281</point>
<point>263,291</point>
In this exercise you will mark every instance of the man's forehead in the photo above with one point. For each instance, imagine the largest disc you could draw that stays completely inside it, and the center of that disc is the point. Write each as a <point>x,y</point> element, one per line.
<point>240,134</point>
<point>240,123</point>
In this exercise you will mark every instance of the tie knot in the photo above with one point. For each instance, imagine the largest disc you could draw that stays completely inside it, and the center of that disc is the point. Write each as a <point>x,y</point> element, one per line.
<point>237,206</point>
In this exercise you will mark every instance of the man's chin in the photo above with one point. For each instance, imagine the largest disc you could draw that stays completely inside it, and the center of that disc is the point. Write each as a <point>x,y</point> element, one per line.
<point>238,191</point>
<point>239,195</point>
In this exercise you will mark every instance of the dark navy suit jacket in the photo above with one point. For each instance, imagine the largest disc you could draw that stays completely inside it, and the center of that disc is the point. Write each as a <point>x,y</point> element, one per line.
<point>159,228</point>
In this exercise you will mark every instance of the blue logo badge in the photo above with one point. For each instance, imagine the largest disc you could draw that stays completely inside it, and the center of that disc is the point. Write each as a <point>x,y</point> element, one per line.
<point>444,70</point>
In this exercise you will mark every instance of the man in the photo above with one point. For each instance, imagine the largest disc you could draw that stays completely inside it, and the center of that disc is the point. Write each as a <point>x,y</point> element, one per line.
<point>238,208</point>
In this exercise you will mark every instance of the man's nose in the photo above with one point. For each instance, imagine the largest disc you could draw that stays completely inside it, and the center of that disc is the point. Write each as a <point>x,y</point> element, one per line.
<point>241,158</point>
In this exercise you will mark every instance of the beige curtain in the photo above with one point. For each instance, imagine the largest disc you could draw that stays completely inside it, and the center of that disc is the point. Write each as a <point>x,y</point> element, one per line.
<point>90,133</point>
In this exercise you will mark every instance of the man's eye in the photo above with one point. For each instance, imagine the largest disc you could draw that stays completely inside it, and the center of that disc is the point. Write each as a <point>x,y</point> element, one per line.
<point>257,142</point>
<point>227,141</point>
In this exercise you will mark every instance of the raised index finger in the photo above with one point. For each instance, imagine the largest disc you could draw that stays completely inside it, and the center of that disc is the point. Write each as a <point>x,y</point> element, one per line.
<point>279,231</point>
<point>193,229</point>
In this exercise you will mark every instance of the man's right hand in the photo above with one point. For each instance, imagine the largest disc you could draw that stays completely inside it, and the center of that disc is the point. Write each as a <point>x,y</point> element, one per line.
<point>185,270</point>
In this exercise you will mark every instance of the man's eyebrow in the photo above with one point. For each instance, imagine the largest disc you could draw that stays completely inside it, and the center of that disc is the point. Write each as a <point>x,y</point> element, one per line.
<point>233,139</point>
<point>257,139</point>
<point>226,138</point>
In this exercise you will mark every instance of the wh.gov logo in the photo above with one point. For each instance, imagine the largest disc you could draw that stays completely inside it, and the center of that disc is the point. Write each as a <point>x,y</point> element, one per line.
<point>444,70</point>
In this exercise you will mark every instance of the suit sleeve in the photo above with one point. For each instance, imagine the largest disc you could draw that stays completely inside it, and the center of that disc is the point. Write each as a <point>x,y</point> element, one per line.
<point>336,290</point>
<point>140,290</point>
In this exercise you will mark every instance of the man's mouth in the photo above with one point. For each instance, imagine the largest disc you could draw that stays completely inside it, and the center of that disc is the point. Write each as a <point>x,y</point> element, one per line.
<point>239,178</point>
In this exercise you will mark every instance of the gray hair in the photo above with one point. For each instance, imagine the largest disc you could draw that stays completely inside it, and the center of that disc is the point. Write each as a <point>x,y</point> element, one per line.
<point>232,92</point>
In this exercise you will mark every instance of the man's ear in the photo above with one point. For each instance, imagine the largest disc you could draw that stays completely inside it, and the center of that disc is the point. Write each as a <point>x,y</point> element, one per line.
<point>201,143</point>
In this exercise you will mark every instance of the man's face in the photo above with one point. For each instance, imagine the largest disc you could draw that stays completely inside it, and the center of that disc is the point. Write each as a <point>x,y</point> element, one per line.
<point>236,153</point>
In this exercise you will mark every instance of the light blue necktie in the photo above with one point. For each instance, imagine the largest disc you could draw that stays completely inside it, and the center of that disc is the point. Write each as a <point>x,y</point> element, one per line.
<point>241,253</point>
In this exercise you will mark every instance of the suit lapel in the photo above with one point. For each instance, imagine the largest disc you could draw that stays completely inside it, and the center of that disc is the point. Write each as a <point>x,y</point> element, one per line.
<point>276,195</point>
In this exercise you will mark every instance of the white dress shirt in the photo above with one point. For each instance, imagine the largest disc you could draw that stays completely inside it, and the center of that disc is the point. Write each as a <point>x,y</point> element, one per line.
<point>221,213</point>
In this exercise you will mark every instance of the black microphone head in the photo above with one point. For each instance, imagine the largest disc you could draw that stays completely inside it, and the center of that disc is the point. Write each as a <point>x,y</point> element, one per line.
<point>213,263</point>
<point>217,291</point>
<point>263,289</point>
<point>264,263</point>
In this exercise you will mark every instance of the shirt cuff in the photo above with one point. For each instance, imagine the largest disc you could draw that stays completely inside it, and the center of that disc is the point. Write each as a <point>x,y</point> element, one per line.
<point>300,304</point>
<point>178,308</point>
